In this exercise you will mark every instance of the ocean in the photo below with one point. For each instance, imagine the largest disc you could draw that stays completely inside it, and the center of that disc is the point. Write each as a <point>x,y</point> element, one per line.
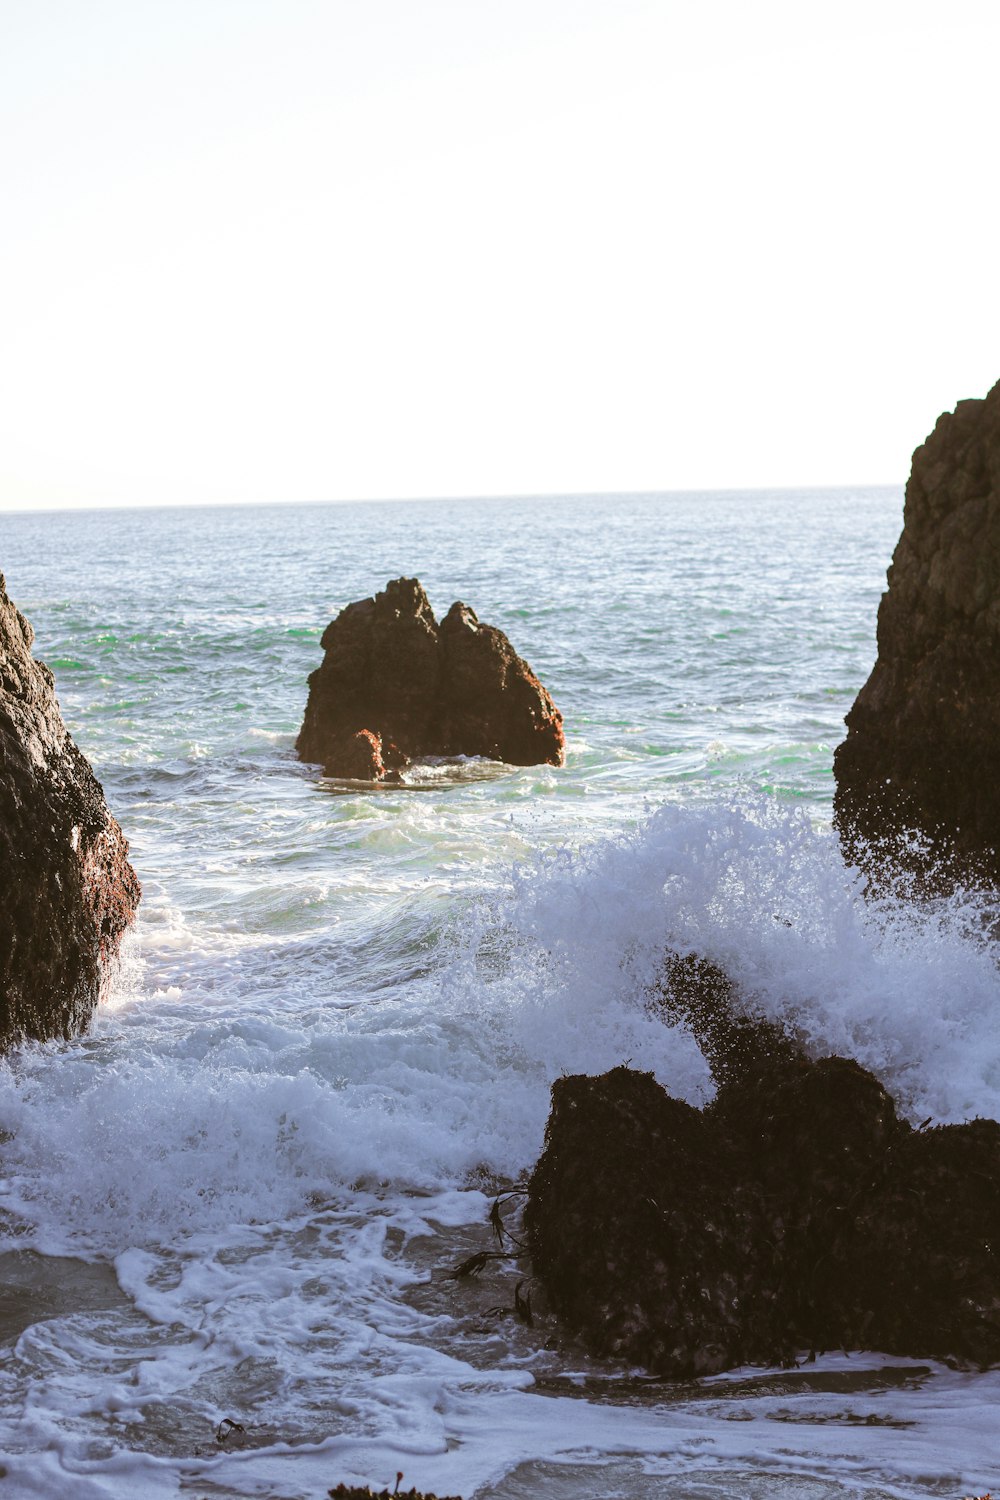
<point>229,1216</point>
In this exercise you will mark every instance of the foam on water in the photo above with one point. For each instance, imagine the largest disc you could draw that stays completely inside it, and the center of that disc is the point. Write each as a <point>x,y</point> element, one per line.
<point>911,991</point>
<point>271,1187</point>
<point>337,1026</point>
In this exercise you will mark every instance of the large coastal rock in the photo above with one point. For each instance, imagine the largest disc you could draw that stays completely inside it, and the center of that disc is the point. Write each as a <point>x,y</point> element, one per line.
<point>921,749</point>
<point>67,890</point>
<point>797,1212</point>
<point>395,685</point>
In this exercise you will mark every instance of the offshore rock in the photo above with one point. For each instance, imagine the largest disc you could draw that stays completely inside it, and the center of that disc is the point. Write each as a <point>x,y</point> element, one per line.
<point>395,685</point>
<point>920,754</point>
<point>67,890</point>
<point>796,1212</point>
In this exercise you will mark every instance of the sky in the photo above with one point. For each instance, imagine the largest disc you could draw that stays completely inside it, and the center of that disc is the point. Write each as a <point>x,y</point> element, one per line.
<point>266,250</point>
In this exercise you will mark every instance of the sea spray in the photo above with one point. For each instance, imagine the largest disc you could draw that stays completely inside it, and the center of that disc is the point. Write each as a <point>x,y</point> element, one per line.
<point>349,1010</point>
<point>911,991</point>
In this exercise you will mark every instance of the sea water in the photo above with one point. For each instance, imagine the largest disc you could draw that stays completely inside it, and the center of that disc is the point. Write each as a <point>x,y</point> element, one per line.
<point>230,1215</point>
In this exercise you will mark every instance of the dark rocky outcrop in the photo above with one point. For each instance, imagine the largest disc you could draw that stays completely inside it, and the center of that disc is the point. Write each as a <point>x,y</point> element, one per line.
<point>365,1492</point>
<point>395,685</point>
<point>921,749</point>
<point>796,1212</point>
<point>67,890</point>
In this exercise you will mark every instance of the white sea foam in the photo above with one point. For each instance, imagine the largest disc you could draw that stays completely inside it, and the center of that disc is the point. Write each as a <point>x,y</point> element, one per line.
<point>337,1028</point>
<point>271,1188</point>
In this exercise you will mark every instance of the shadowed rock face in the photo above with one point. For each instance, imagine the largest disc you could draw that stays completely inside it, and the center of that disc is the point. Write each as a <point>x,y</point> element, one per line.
<point>67,890</point>
<point>395,685</point>
<point>921,748</point>
<point>796,1212</point>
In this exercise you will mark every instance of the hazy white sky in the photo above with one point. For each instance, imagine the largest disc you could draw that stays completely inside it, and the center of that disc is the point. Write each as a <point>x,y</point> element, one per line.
<point>312,249</point>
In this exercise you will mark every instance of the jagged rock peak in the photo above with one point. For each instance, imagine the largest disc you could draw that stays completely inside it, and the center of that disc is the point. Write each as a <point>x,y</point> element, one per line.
<point>67,890</point>
<point>920,755</point>
<point>395,685</point>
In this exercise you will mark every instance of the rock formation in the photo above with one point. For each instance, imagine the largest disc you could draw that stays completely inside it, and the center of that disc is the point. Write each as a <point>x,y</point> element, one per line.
<point>797,1212</point>
<point>365,1492</point>
<point>921,749</point>
<point>67,890</point>
<point>395,685</point>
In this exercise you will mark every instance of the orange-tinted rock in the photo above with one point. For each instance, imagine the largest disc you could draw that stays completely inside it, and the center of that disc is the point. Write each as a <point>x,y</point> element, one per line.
<point>360,757</point>
<point>921,750</point>
<point>391,673</point>
<point>67,890</point>
<point>492,703</point>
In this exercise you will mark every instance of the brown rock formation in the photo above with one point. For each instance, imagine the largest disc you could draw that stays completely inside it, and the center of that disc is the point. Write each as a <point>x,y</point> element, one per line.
<point>67,890</point>
<point>921,749</point>
<point>797,1212</point>
<point>395,685</point>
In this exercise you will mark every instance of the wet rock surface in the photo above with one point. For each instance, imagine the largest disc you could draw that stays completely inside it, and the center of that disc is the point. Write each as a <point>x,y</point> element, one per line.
<point>395,685</point>
<point>920,753</point>
<point>795,1213</point>
<point>67,890</point>
<point>365,1492</point>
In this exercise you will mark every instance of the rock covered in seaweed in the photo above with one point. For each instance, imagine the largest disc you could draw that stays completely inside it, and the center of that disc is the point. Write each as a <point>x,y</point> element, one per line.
<point>920,753</point>
<point>67,890</point>
<point>395,685</point>
<point>796,1212</point>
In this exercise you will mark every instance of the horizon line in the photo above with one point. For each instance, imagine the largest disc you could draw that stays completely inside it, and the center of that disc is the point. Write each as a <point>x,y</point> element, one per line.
<point>451,499</point>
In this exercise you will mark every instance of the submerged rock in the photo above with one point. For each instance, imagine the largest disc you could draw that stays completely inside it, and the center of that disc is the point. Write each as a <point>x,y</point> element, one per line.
<point>920,753</point>
<point>67,890</point>
<point>395,685</point>
<point>796,1212</point>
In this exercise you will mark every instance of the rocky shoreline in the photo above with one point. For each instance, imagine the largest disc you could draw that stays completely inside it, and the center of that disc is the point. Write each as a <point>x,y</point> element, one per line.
<point>798,1211</point>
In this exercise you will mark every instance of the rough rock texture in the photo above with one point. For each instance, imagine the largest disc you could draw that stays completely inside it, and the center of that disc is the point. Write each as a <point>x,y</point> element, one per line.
<point>921,748</point>
<point>796,1212</point>
<point>67,890</point>
<point>359,1492</point>
<point>395,685</point>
